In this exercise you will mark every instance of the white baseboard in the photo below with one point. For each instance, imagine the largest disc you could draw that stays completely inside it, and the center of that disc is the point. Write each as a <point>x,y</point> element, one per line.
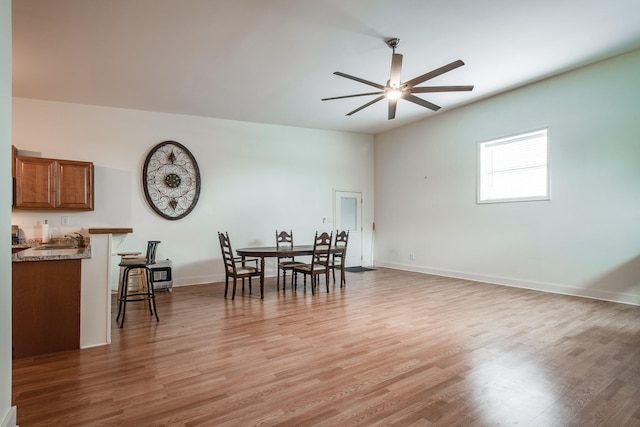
<point>203,280</point>
<point>198,280</point>
<point>10,418</point>
<point>599,294</point>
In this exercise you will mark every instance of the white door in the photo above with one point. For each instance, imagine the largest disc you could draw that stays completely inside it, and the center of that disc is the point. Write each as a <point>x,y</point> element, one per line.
<point>348,216</point>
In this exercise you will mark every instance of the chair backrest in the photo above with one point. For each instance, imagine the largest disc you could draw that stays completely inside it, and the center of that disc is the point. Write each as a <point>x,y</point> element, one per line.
<point>152,246</point>
<point>227,252</point>
<point>284,239</point>
<point>321,248</point>
<point>342,238</point>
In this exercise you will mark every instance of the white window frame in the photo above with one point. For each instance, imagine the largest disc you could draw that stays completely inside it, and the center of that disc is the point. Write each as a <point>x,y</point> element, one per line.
<point>485,172</point>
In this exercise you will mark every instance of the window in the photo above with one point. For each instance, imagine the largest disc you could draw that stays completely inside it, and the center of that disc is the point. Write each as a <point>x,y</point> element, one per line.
<point>514,168</point>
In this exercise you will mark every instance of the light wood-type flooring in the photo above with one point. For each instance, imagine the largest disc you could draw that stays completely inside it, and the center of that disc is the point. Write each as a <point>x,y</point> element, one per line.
<point>392,348</point>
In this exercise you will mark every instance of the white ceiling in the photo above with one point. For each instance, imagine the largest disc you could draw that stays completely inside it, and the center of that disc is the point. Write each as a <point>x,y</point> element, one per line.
<point>271,61</point>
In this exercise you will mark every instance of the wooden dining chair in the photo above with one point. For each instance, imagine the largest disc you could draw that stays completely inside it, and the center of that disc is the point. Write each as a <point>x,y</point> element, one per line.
<point>236,267</point>
<point>319,262</point>
<point>337,259</point>
<point>285,240</point>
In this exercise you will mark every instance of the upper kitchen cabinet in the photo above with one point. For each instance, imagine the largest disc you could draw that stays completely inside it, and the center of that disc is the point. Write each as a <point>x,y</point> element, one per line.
<point>75,185</point>
<point>43,184</point>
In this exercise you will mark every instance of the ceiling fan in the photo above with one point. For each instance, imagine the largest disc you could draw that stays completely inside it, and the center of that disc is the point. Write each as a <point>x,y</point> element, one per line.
<point>395,89</point>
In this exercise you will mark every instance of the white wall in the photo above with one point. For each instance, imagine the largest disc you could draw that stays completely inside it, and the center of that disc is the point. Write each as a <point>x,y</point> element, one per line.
<point>255,178</point>
<point>584,241</point>
<point>7,413</point>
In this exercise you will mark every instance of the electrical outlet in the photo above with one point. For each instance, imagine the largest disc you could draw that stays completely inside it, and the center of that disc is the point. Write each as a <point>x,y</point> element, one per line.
<point>64,220</point>
<point>412,256</point>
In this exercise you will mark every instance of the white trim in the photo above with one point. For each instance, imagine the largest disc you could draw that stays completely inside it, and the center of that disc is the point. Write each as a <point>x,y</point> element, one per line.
<point>10,418</point>
<point>598,294</point>
<point>617,297</point>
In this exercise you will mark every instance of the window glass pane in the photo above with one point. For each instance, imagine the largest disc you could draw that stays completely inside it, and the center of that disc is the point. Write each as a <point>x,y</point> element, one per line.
<point>519,155</point>
<point>514,168</point>
<point>348,213</point>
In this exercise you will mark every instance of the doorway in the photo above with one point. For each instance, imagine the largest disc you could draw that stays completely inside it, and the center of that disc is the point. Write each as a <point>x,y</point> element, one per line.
<point>348,216</point>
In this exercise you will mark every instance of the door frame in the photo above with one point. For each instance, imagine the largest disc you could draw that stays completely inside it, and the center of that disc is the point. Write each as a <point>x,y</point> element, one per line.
<point>360,202</point>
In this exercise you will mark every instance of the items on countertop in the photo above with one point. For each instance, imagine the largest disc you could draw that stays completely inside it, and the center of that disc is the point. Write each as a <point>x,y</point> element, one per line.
<point>15,235</point>
<point>78,238</point>
<point>45,231</point>
<point>71,246</point>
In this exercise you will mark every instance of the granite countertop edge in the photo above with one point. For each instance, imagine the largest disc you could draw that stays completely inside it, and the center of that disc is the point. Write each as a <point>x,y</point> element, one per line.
<point>35,254</point>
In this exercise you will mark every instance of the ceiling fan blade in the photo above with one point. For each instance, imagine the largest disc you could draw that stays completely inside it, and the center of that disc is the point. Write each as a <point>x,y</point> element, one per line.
<point>393,103</point>
<point>352,96</point>
<point>441,89</point>
<point>358,79</point>
<point>366,105</point>
<point>435,73</point>
<point>396,68</point>
<point>421,102</point>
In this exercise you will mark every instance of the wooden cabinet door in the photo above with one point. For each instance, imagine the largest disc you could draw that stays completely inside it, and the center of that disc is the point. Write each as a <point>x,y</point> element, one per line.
<point>35,183</point>
<point>74,189</point>
<point>46,307</point>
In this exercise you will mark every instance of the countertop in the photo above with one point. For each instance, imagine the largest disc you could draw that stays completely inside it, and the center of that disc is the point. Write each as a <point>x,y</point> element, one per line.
<point>111,230</point>
<point>37,254</point>
<point>33,251</point>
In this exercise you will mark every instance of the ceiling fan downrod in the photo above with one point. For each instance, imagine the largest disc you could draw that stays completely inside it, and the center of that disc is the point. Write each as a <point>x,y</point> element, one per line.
<point>393,43</point>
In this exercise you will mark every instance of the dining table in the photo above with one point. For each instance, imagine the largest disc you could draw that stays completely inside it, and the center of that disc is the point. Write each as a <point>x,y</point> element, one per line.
<point>263,252</point>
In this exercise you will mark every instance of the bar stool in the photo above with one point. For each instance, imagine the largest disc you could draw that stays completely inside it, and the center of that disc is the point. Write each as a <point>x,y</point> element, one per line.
<point>144,293</point>
<point>137,278</point>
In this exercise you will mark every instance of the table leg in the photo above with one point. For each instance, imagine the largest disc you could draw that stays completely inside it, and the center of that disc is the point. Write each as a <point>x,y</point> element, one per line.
<point>261,277</point>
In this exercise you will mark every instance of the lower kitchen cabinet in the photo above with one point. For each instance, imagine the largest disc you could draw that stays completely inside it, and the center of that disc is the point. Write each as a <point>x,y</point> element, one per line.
<point>46,307</point>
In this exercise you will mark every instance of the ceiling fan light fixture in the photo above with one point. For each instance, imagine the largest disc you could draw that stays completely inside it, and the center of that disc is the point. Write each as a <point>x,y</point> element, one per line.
<point>393,93</point>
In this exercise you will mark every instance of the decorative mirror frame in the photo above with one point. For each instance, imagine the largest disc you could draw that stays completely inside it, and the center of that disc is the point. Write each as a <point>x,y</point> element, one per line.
<point>171,180</point>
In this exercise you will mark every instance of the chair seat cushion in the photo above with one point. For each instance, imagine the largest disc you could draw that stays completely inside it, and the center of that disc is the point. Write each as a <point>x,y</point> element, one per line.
<point>289,264</point>
<point>307,268</point>
<point>246,270</point>
<point>142,262</point>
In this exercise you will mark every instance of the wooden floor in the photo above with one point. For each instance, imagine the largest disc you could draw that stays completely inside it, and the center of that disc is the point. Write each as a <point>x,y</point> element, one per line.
<point>392,348</point>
